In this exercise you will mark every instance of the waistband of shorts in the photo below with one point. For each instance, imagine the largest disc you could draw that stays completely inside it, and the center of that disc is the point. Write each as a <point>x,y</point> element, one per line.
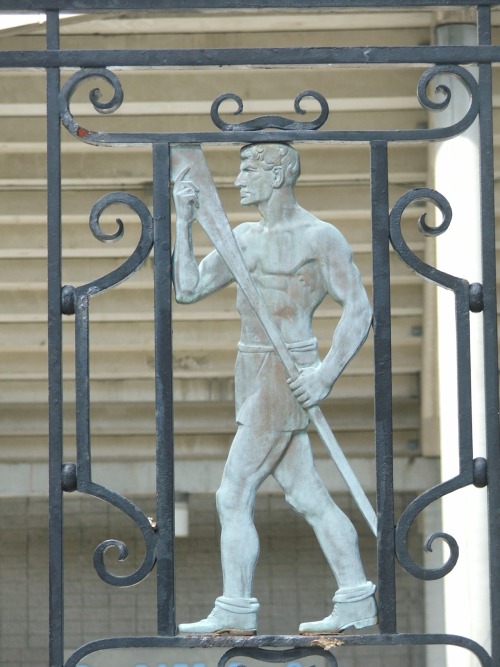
<point>309,345</point>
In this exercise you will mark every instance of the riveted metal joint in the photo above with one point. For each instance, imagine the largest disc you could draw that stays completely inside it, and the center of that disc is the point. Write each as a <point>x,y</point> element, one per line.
<point>68,300</point>
<point>476,298</point>
<point>68,477</point>
<point>480,472</point>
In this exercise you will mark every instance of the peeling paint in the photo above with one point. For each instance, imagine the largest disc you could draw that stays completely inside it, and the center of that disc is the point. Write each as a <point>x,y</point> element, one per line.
<point>327,643</point>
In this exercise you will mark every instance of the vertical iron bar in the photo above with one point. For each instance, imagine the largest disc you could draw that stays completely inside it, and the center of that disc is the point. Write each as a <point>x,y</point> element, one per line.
<point>490,327</point>
<point>164,391</point>
<point>383,387</point>
<point>82,391</point>
<point>56,599</point>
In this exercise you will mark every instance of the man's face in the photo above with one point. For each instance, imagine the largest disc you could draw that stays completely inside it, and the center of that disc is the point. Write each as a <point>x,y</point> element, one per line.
<point>256,184</point>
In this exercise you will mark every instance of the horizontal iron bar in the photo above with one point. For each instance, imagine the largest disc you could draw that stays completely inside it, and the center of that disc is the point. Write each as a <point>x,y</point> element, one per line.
<point>105,5</point>
<point>280,641</point>
<point>376,55</point>
<point>245,137</point>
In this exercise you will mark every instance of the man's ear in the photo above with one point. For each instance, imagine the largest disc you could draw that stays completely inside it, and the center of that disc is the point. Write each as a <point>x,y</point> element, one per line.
<point>279,176</point>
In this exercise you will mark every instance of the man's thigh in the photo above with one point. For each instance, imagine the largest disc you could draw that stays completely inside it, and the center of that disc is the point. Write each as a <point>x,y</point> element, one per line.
<point>254,454</point>
<point>296,472</point>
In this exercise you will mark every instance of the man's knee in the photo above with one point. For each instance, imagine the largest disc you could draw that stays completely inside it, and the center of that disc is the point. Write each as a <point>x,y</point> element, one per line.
<point>319,509</point>
<point>313,503</point>
<point>304,504</point>
<point>233,499</point>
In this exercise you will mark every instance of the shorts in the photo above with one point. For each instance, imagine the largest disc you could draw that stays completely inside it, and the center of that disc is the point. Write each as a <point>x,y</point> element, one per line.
<point>263,397</point>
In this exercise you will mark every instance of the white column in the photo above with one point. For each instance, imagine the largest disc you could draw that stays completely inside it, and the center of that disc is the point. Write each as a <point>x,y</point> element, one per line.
<point>458,251</point>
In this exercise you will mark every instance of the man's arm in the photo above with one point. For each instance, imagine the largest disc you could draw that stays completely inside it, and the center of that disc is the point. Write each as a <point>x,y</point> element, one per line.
<point>193,282</point>
<point>343,282</point>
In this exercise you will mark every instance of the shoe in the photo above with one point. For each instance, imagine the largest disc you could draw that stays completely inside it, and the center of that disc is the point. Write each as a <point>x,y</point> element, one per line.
<point>234,616</point>
<point>353,607</point>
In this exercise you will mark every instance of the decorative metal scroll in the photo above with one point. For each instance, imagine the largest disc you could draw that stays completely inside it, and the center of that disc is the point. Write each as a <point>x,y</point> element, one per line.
<point>276,122</point>
<point>288,130</point>
<point>266,655</point>
<point>467,298</point>
<point>76,301</point>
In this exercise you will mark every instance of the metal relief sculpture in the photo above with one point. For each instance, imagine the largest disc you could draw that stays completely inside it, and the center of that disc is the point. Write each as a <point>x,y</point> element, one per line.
<point>274,274</point>
<point>284,265</point>
<point>268,338</point>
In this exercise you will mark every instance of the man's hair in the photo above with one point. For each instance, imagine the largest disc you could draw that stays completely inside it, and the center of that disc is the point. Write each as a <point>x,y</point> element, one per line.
<point>275,155</point>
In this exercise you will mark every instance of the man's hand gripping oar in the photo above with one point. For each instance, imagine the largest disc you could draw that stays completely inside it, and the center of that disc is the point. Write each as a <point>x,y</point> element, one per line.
<point>213,220</point>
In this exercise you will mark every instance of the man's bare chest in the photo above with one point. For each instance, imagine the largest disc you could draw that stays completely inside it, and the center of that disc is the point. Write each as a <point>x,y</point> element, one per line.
<point>274,255</point>
<point>286,270</point>
<point>295,278</point>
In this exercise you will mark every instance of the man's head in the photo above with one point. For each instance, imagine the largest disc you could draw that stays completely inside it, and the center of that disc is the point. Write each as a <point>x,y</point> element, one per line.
<point>275,155</point>
<point>264,168</point>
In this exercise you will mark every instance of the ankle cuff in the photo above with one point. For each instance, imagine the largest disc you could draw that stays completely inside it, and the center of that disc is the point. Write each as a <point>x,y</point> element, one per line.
<point>354,593</point>
<point>238,605</point>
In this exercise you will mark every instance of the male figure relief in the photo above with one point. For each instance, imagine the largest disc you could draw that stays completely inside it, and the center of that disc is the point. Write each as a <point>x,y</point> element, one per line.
<point>295,260</point>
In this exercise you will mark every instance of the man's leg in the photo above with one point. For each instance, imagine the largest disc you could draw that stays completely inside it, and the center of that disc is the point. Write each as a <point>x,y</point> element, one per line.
<point>306,493</point>
<point>252,457</point>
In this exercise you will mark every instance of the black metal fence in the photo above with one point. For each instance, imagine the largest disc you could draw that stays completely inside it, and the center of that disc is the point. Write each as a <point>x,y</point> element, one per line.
<point>67,301</point>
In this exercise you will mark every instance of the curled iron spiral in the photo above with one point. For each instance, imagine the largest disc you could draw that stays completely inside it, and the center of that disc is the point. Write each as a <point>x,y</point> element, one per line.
<point>95,97</point>
<point>145,526</point>
<point>399,243</point>
<point>438,70</point>
<point>139,255</point>
<point>467,80</point>
<point>406,521</point>
<point>271,121</point>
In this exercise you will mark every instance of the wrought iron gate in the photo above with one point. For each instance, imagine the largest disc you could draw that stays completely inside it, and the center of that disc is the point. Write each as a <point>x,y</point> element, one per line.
<point>68,301</point>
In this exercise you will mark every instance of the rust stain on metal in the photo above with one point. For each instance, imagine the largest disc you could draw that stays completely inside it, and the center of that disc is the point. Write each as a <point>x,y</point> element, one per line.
<point>82,132</point>
<point>327,643</point>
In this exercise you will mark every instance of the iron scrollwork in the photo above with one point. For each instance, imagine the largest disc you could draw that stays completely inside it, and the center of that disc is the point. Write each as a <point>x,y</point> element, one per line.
<point>269,127</point>
<point>468,465</point>
<point>275,122</point>
<point>95,97</point>
<point>269,655</point>
<point>76,301</point>
<point>144,524</point>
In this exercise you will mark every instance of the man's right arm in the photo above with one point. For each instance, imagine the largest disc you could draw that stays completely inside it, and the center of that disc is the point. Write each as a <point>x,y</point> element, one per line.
<point>193,282</point>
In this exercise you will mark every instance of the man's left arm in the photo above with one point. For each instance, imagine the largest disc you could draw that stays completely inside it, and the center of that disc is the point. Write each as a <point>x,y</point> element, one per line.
<point>342,280</point>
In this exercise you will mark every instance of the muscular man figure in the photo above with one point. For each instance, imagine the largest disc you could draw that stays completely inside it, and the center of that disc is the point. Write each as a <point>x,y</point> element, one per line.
<point>295,260</point>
